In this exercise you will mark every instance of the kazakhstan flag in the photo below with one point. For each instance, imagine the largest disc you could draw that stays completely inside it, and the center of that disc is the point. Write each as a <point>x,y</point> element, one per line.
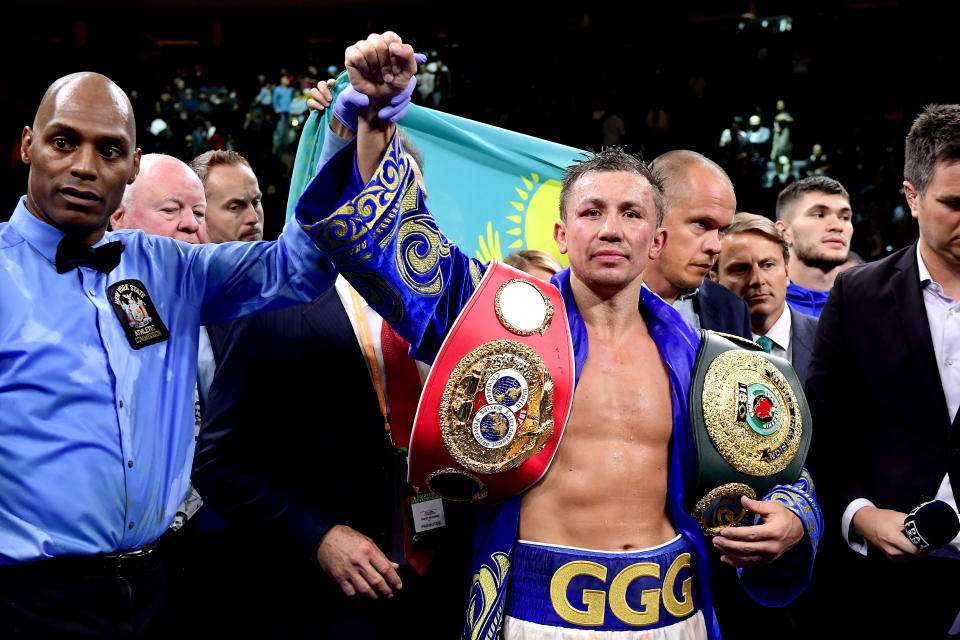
<point>492,191</point>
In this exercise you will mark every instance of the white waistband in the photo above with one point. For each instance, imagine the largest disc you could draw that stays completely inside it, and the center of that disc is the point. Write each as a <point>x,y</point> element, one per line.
<point>624,551</point>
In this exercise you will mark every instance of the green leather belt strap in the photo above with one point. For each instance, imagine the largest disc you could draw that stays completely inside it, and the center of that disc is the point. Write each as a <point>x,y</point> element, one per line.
<point>751,427</point>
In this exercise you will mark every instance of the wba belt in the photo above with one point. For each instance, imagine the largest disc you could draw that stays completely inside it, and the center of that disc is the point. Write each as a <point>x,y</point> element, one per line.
<point>751,428</point>
<point>596,590</point>
<point>498,396</point>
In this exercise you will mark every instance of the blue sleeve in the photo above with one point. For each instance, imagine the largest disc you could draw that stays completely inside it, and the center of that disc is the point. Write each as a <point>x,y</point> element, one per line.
<point>384,241</point>
<point>234,279</point>
<point>779,583</point>
<point>332,143</point>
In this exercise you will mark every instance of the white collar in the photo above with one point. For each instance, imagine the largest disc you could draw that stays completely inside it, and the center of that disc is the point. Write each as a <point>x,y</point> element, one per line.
<point>925,276</point>
<point>780,331</point>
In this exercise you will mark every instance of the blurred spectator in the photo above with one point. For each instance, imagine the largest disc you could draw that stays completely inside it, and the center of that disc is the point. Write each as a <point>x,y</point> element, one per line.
<point>734,145</point>
<point>734,137</point>
<point>613,130</point>
<point>537,263</point>
<point>441,83</point>
<point>759,138</point>
<point>782,150</point>
<point>282,97</point>
<point>425,84</point>
<point>818,163</point>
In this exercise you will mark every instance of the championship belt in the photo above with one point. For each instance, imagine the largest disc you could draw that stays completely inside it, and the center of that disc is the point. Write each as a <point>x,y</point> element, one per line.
<point>498,396</point>
<point>751,428</point>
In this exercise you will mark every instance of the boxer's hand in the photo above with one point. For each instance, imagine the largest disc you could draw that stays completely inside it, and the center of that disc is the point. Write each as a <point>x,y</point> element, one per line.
<point>320,96</point>
<point>760,544</point>
<point>357,565</point>
<point>400,104</point>
<point>883,529</point>
<point>380,67</point>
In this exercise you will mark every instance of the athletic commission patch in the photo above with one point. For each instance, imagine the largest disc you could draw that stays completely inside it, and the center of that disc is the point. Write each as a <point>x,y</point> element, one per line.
<point>751,413</point>
<point>137,314</point>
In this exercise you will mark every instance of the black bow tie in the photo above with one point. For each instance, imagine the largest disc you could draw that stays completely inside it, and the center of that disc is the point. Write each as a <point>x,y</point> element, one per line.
<point>72,253</point>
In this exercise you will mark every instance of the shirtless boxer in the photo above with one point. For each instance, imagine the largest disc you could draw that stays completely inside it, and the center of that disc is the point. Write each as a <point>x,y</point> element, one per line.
<point>616,482</point>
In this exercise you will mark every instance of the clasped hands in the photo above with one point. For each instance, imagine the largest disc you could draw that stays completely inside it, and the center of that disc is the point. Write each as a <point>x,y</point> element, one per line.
<point>382,78</point>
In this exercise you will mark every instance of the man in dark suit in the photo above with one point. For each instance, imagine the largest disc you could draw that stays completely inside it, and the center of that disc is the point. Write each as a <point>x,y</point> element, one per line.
<point>295,454</point>
<point>753,264</point>
<point>884,387</point>
<point>700,204</point>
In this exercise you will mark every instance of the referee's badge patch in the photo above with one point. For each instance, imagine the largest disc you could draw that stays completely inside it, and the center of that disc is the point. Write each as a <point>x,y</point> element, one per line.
<point>138,316</point>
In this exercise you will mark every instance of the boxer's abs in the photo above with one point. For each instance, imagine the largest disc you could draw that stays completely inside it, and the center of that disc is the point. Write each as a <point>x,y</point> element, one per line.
<point>606,488</point>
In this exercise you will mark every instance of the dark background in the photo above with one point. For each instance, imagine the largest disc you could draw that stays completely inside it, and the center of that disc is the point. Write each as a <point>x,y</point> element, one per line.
<point>853,76</point>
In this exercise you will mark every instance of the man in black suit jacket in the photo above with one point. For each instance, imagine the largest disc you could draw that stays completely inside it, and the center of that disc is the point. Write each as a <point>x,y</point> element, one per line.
<point>294,453</point>
<point>700,204</point>
<point>884,390</point>
<point>753,264</point>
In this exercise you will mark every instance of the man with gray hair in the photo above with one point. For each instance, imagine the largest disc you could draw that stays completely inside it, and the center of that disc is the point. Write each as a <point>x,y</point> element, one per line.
<point>167,199</point>
<point>753,264</point>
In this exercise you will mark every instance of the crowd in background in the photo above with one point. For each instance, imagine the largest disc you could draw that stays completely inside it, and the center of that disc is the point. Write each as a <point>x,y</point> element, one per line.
<point>190,100</point>
<point>770,144</point>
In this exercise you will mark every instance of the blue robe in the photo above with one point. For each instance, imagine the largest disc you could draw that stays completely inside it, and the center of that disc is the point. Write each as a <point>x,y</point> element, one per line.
<point>381,237</point>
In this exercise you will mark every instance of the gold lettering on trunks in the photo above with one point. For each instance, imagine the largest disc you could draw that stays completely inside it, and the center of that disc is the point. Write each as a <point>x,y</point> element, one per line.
<point>674,607</point>
<point>593,599</point>
<point>649,598</point>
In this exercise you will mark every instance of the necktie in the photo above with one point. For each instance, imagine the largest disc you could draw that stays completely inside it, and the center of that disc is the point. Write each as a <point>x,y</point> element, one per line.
<point>403,384</point>
<point>403,393</point>
<point>71,253</point>
<point>765,343</point>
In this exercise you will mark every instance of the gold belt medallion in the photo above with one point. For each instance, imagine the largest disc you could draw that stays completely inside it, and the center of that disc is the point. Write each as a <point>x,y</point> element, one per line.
<point>751,413</point>
<point>497,407</point>
<point>722,508</point>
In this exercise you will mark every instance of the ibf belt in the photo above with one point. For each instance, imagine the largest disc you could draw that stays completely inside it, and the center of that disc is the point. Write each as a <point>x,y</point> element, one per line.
<point>495,403</point>
<point>751,428</point>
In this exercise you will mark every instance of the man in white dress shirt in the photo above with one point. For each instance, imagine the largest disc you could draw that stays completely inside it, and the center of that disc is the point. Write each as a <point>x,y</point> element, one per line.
<point>884,388</point>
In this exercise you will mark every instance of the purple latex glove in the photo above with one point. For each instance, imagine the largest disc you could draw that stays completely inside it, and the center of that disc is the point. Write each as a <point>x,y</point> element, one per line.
<point>350,101</point>
<point>400,104</point>
<point>348,105</point>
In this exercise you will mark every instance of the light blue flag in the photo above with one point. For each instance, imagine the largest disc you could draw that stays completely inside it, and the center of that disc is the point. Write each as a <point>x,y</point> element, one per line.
<point>492,191</point>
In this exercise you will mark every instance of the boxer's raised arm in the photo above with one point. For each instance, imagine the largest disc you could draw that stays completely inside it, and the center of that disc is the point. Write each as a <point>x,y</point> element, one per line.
<point>381,67</point>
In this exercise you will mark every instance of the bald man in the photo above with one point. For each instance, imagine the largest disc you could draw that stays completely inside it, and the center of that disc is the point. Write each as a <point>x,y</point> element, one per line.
<point>167,199</point>
<point>98,351</point>
<point>700,204</point>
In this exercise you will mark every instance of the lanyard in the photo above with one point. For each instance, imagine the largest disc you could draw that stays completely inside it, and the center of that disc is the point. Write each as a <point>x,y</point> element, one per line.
<point>371,355</point>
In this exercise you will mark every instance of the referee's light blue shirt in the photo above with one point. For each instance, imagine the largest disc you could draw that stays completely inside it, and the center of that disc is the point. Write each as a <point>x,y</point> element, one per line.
<point>96,438</point>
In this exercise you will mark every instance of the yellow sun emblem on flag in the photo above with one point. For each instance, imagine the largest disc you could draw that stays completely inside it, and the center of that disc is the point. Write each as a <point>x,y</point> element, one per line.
<point>532,222</point>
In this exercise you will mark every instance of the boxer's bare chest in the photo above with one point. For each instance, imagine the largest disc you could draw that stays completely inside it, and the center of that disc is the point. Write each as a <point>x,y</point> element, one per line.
<point>606,488</point>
